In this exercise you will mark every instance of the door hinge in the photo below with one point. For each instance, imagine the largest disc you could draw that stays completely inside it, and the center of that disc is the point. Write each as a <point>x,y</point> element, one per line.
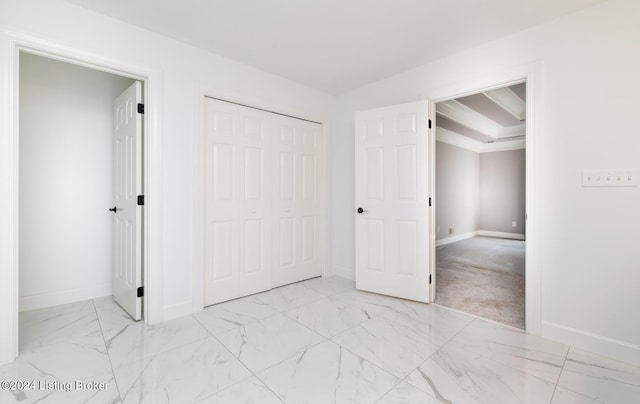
<point>429,201</point>
<point>429,123</point>
<point>141,291</point>
<point>141,108</point>
<point>140,200</point>
<point>429,279</point>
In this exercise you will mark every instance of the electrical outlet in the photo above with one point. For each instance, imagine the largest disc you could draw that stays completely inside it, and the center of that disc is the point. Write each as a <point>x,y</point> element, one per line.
<point>452,230</point>
<point>514,224</point>
<point>620,177</point>
<point>437,229</point>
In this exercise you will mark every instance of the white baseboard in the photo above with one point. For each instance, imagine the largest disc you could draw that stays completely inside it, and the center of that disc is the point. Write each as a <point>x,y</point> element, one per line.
<point>500,234</point>
<point>42,300</point>
<point>453,239</point>
<point>177,310</point>
<point>345,272</point>
<point>605,346</point>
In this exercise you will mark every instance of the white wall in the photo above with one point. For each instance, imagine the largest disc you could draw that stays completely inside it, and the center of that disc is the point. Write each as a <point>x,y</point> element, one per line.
<point>588,116</point>
<point>181,71</point>
<point>66,115</point>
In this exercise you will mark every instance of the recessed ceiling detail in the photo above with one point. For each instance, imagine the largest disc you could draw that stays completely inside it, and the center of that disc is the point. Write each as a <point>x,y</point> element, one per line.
<point>497,115</point>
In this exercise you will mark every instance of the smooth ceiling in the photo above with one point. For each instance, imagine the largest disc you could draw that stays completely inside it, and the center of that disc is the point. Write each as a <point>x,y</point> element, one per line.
<point>335,45</point>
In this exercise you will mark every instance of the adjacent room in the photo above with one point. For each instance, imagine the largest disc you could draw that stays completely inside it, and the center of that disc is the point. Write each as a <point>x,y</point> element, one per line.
<point>66,181</point>
<point>287,202</point>
<point>480,204</point>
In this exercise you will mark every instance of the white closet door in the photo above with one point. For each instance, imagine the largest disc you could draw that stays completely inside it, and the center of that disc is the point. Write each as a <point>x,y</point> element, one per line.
<point>262,208</point>
<point>297,206</point>
<point>238,207</point>
<point>392,200</point>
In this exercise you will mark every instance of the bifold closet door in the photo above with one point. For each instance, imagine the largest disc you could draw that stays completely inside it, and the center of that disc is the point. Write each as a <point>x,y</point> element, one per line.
<point>297,207</point>
<point>262,208</point>
<point>238,206</point>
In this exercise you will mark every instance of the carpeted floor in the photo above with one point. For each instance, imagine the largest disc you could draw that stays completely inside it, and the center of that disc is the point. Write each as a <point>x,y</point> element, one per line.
<point>483,276</point>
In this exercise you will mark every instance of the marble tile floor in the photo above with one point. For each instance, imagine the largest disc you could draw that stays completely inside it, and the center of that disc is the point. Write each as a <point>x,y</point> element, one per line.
<point>318,341</point>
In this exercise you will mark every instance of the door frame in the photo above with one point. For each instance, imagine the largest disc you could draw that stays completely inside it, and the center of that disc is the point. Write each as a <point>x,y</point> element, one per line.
<point>531,74</point>
<point>11,44</point>
<point>203,90</point>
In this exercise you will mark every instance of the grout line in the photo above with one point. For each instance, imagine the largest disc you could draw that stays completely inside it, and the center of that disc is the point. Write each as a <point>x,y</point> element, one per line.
<point>113,373</point>
<point>268,388</point>
<point>555,388</point>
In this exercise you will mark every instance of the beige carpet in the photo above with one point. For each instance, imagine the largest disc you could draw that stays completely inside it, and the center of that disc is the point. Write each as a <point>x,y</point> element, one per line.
<point>483,276</point>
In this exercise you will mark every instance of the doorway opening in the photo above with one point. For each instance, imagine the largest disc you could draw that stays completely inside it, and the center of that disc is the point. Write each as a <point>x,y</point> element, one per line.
<point>67,183</point>
<point>480,215</point>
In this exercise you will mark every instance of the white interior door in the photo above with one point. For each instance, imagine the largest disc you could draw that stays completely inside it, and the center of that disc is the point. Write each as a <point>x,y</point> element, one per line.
<point>392,200</point>
<point>127,185</point>
<point>297,207</point>
<point>238,201</point>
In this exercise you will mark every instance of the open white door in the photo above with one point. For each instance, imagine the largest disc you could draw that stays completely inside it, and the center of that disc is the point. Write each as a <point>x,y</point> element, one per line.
<point>127,185</point>
<point>392,200</point>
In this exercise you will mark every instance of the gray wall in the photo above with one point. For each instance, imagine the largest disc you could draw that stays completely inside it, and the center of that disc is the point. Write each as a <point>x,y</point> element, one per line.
<point>502,191</point>
<point>479,191</point>
<point>66,119</point>
<point>457,185</point>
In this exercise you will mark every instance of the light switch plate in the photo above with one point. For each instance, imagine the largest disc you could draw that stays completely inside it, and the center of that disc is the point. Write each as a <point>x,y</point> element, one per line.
<point>615,177</point>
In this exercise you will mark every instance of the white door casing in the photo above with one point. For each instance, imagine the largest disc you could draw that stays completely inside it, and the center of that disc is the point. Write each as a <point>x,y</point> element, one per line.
<point>297,203</point>
<point>127,185</point>
<point>392,188</point>
<point>262,204</point>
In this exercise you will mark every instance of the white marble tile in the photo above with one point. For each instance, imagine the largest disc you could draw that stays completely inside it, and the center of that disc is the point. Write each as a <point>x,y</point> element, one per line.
<point>57,344</point>
<point>455,375</point>
<point>249,391</point>
<point>329,316</point>
<point>327,373</point>
<point>69,323</point>
<point>266,342</point>
<point>62,362</point>
<point>566,396</point>
<point>70,393</point>
<point>392,346</point>
<point>371,302</point>
<point>288,297</point>
<point>437,321</point>
<point>602,379</point>
<point>113,319</point>
<point>404,393</point>
<point>138,340</point>
<point>329,285</point>
<point>235,313</point>
<point>537,356</point>
<point>183,375</point>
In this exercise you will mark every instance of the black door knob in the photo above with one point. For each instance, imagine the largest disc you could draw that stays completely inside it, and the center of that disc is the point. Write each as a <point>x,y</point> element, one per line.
<point>361,211</point>
<point>114,209</point>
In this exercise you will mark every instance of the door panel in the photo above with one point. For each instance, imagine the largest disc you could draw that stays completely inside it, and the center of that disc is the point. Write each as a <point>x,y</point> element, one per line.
<point>127,185</point>
<point>297,205</point>
<point>238,204</point>
<point>392,188</point>
<point>262,200</point>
